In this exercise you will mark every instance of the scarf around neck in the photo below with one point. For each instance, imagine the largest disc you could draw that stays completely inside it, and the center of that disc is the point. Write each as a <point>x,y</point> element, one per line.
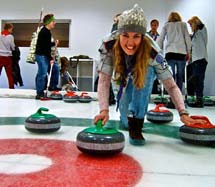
<point>5,32</point>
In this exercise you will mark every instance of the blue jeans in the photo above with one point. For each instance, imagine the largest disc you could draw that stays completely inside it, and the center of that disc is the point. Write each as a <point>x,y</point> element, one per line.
<point>179,75</point>
<point>135,101</point>
<point>41,77</point>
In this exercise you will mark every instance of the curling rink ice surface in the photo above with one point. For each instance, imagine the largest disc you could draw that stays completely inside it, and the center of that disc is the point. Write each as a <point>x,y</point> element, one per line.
<point>52,160</point>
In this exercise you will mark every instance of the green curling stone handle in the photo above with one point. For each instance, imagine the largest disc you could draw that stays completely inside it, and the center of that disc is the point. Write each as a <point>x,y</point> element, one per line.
<point>99,129</point>
<point>40,115</point>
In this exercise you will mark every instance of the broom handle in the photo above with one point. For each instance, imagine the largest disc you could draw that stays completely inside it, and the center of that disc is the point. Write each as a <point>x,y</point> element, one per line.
<point>185,83</point>
<point>162,90</point>
<point>50,72</point>
<point>40,20</point>
<point>49,77</point>
<point>73,83</point>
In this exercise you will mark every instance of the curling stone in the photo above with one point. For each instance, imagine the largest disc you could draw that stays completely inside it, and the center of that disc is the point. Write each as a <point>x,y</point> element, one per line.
<point>199,134</point>
<point>99,140</point>
<point>158,115</point>
<point>70,97</point>
<point>84,98</point>
<point>208,101</point>
<point>42,123</point>
<point>160,100</point>
<point>56,95</point>
<point>170,104</point>
<point>191,100</point>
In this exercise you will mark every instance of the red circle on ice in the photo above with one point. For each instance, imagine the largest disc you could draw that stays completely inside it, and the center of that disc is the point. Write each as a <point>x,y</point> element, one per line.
<point>69,166</point>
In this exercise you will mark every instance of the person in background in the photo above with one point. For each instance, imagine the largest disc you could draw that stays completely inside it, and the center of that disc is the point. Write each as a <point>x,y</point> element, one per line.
<point>178,45</point>
<point>67,81</point>
<point>44,58</point>
<point>134,59</point>
<point>154,24</point>
<point>7,45</point>
<point>112,100</point>
<point>115,22</point>
<point>199,58</point>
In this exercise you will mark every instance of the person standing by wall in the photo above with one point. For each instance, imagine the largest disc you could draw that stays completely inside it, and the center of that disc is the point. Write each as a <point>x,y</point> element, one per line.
<point>7,45</point>
<point>115,22</point>
<point>178,45</point>
<point>154,24</point>
<point>199,57</point>
<point>44,58</point>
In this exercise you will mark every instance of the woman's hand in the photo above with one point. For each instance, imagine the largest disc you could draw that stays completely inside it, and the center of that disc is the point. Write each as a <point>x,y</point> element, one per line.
<point>104,116</point>
<point>56,42</point>
<point>52,62</point>
<point>188,57</point>
<point>188,120</point>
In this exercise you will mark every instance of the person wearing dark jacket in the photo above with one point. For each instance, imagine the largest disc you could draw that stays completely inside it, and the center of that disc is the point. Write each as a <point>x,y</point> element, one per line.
<point>154,24</point>
<point>44,57</point>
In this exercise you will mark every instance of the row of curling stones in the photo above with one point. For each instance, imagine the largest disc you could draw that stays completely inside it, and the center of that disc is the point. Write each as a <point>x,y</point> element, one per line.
<point>42,123</point>
<point>198,134</point>
<point>207,100</point>
<point>160,100</point>
<point>56,95</point>
<point>72,97</point>
<point>99,140</point>
<point>158,115</point>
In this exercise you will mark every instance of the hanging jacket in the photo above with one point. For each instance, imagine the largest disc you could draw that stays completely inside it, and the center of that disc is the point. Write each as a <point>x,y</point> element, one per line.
<point>15,67</point>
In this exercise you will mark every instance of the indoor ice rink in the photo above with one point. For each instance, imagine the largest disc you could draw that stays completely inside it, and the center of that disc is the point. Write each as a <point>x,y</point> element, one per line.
<point>32,159</point>
<point>29,159</point>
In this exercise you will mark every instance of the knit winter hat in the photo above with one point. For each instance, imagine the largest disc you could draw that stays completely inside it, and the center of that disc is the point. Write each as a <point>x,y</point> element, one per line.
<point>132,20</point>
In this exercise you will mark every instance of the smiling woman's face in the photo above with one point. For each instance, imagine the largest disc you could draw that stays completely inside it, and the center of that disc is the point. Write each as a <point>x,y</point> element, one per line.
<point>130,42</point>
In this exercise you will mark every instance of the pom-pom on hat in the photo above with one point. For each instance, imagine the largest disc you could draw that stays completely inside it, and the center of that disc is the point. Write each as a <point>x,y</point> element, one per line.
<point>132,20</point>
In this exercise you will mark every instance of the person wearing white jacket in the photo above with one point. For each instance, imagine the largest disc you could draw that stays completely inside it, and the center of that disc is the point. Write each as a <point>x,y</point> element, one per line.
<point>177,46</point>
<point>7,45</point>
<point>199,57</point>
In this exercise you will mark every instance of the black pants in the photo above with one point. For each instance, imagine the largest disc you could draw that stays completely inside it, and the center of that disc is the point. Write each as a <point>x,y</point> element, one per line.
<point>199,68</point>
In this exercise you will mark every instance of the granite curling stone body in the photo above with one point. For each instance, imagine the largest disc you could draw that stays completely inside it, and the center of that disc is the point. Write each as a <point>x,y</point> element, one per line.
<point>56,95</point>
<point>198,134</point>
<point>42,123</point>
<point>70,97</point>
<point>158,115</point>
<point>84,98</point>
<point>100,140</point>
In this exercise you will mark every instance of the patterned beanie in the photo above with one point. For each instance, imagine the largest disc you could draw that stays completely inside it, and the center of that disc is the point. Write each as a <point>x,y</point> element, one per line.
<point>132,21</point>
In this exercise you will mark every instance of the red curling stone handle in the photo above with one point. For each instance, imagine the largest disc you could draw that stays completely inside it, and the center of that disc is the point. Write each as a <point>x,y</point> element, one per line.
<point>206,125</point>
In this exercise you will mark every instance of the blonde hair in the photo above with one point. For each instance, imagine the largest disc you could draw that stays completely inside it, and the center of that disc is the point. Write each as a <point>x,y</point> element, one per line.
<point>194,22</point>
<point>141,66</point>
<point>174,17</point>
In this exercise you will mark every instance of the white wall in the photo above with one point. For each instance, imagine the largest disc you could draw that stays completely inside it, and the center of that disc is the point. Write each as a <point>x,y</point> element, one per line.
<point>92,20</point>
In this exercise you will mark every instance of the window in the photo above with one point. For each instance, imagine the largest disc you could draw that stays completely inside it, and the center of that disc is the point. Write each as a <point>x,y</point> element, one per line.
<point>23,30</point>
